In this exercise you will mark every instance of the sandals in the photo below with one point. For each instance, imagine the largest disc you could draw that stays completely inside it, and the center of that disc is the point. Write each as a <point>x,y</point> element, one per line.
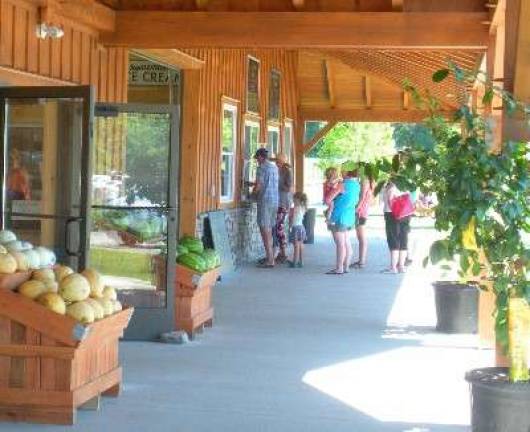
<point>334,272</point>
<point>265,265</point>
<point>357,265</point>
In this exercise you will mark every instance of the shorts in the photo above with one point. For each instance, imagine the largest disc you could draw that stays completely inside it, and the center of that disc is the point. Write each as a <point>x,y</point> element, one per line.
<point>297,233</point>
<point>339,228</point>
<point>360,221</point>
<point>397,232</point>
<point>267,215</point>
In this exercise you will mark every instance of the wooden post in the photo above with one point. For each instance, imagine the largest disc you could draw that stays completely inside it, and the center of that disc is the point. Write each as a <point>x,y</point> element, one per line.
<point>299,154</point>
<point>189,152</point>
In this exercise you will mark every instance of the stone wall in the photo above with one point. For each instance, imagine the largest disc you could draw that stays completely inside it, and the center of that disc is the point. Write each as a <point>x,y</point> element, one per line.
<point>243,233</point>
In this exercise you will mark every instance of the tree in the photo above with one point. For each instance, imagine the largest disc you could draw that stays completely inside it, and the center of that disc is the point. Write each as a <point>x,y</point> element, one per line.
<point>358,142</point>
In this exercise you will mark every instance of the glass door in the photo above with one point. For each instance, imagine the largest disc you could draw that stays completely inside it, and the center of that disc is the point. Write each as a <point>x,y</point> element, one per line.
<point>44,167</point>
<point>134,210</point>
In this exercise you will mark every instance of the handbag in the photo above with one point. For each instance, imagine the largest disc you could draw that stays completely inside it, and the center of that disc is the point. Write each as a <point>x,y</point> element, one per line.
<point>402,206</point>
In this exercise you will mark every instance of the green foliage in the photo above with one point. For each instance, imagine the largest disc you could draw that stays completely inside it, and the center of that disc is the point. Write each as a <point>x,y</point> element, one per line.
<point>353,141</point>
<point>475,187</point>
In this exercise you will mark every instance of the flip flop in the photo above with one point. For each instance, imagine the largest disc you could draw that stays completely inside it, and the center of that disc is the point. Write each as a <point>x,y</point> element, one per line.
<point>334,272</point>
<point>357,265</point>
<point>388,271</point>
<point>265,266</point>
<point>262,260</point>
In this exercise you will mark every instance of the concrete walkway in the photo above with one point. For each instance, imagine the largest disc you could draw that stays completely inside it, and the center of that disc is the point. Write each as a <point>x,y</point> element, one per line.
<point>296,350</point>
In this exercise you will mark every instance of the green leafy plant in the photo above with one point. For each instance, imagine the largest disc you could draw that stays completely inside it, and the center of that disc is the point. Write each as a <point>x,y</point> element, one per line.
<point>483,201</point>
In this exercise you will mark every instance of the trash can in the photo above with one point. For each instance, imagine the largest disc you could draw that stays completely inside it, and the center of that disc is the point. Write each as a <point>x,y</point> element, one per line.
<point>309,225</point>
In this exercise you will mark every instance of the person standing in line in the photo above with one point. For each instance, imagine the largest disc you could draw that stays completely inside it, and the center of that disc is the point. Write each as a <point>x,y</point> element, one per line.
<point>297,234</point>
<point>365,200</point>
<point>266,193</point>
<point>342,221</point>
<point>397,231</point>
<point>285,190</point>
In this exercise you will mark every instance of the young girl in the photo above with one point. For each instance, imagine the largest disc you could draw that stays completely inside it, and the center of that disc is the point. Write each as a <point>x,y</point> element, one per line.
<point>332,187</point>
<point>297,235</point>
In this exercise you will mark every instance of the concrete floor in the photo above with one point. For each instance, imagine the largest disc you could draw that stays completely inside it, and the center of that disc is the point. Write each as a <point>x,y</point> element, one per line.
<point>296,350</point>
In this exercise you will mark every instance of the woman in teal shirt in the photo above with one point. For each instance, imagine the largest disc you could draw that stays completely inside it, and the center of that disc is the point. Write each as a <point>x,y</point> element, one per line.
<point>342,220</point>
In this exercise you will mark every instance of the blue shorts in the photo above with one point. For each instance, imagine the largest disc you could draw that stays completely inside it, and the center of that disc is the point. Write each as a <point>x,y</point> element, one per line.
<point>297,233</point>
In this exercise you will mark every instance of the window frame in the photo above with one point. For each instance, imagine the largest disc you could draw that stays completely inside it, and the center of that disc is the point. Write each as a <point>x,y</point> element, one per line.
<point>288,124</point>
<point>231,105</point>
<point>275,127</point>
<point>256,123</point>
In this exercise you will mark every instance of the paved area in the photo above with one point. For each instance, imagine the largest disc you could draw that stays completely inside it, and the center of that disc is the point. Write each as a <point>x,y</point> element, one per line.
<point>296,350</point>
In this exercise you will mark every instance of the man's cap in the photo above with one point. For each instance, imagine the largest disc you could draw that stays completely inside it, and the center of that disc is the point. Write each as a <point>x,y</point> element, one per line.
<point>261,152</point>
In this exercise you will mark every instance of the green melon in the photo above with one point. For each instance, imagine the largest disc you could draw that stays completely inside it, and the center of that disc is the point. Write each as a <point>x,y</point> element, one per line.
<point>193,261</point>
<point>192,244</point>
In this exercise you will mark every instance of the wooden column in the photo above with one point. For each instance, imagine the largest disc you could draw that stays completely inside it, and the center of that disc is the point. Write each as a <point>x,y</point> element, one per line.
<point>189,152</point>
<point>299,154</point>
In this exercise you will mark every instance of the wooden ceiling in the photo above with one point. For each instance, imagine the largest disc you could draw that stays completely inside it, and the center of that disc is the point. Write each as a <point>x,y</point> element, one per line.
<point>300,5</point>
<point>368,84</point>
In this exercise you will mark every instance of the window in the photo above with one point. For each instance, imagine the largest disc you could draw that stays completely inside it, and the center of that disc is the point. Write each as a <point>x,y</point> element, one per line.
<point>288,141</point>
<point>273,140</point>
<point>249,164</point>
<point>253,85</point>
<point>228,150</point>
<point>274,95</point>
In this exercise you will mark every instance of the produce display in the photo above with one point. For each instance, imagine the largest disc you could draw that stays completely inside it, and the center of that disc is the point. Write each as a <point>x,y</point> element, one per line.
<point>191,254</point>
<point>58,288</point>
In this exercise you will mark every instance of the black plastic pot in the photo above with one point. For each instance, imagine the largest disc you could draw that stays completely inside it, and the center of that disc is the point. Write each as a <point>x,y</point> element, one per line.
<point>496,404</point>
<point>456,307</point>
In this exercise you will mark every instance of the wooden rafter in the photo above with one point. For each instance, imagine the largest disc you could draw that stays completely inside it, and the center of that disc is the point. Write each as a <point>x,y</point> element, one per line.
<point>201,4</point>
<point>367,92</point>
<point>364,115</point>
<point>397,5</point>
<point>330,83</point>
<point>444,30</point>
<point>172,58</point>
<point>86,12</point>
<point>318,136</point>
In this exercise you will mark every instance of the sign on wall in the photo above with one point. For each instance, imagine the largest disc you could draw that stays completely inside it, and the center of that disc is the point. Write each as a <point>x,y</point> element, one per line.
<point>274,95</point>
<point>253,85</point>
<point>146,73</point>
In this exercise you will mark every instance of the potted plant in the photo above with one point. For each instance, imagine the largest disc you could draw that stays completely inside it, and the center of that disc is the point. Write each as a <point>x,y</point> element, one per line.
<point>484,212</point>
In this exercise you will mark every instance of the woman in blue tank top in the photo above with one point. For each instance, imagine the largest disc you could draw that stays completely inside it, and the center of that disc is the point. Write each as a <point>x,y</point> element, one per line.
<point>342,220</point>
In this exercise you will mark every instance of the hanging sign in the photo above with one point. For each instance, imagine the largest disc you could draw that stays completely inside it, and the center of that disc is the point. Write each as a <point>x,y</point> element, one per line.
<point>146,73</point>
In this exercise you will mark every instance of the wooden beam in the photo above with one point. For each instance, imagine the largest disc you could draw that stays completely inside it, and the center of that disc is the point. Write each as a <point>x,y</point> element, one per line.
<point>299,153</point>
<point>298,4</point>
<point>364,115</point>
<point>330,83</point>
<point>318,136</point>
<point>15,77</point>
<point>367,92</point>
<point>201,4</point>
<point>87,12</point>
<point>168,29</point>
<point>172,58</point>
<point>397,5</point>
<point>406,100</point>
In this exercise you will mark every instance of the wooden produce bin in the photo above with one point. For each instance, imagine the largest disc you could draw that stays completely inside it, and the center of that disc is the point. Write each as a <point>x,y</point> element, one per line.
<point>193,299</point>
<point>50,364</point>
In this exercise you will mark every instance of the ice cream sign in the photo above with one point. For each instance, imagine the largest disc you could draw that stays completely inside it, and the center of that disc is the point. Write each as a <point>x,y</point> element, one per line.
<point>145,73</point>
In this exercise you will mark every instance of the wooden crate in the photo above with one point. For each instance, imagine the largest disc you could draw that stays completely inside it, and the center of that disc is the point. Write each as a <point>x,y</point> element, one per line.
<point>193,299</point>
<point>50,364</point>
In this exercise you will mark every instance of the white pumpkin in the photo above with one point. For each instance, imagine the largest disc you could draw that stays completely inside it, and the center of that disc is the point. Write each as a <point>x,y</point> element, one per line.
<point>74,288</point>
<point>108,305</point>
<point>117,306</point>
<point>81,311</point>
<point>47,257</point>
<point>52,301</point>
<point>44,275</point>
<point>32,289</point>
<point>8,263</point>
<point>22,261</point>
<point>61,271</point>
<point>3,249</point>
<point>95,281</point>
<point>33,259</point>
<point>110,293</point>
<point>18,245</point>
<point>7,236</point>
<point>99,312</point>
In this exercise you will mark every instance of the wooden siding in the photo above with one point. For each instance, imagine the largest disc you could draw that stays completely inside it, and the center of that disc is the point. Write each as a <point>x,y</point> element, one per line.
<point>224,75</point>
<point>76,58</point>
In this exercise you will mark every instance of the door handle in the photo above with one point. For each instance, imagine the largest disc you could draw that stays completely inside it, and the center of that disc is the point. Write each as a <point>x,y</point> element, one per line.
<point>69,221</point>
